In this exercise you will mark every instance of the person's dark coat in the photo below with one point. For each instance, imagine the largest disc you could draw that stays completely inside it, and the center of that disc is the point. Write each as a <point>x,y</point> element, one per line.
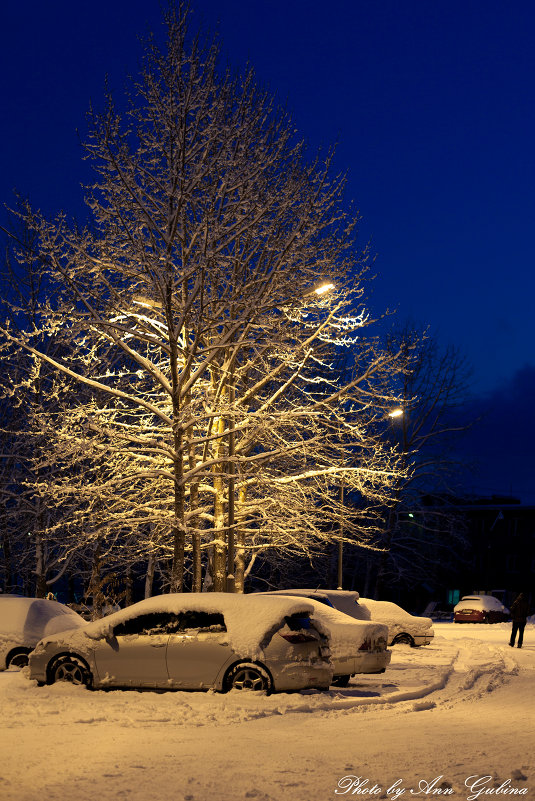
<point>520,609</point>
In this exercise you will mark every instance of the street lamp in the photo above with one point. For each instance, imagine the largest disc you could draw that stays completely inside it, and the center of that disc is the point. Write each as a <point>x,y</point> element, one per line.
<point>393,414</point>
<point>340,534</point>
<point>323,288</point>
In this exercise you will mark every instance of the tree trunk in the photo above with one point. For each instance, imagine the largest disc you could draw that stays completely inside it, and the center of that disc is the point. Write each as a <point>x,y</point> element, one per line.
<point>95,583</point>
<point>219,562</point>
<point>129,586</point>
<point>149,577</point>
<point>178,533</point>
<point>239,575</point>
<point>40,571</point>
<point>196,584</point>
<point>8,569</point>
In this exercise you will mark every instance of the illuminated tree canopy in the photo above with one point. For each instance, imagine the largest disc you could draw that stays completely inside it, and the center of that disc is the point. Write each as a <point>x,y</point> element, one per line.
<point>215,398</point>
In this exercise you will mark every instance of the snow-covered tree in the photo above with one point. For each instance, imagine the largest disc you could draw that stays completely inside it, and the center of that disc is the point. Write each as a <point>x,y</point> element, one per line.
<point>204,310</point>
<point>29,393</point>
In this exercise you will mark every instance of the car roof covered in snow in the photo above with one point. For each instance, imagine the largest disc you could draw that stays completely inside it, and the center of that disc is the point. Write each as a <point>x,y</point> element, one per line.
<point>367,609</point>
<point>488,603</point>
<point>343,600</point>
<point>392,614</point>
<point>27,620</point>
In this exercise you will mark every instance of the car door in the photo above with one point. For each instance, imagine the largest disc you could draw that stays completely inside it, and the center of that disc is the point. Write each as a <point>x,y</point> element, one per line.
<point>134,656</point>
<point>198,650</point>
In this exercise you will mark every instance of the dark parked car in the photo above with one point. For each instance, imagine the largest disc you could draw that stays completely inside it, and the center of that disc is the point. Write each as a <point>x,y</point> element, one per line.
<point>480,609</point>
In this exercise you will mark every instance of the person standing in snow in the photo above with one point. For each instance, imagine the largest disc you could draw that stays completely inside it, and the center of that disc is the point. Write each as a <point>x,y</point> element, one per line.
<point>519,614</point>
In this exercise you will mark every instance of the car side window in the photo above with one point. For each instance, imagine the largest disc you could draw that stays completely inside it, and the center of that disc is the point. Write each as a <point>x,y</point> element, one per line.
<point>201,621</point>
<point>149,624</point>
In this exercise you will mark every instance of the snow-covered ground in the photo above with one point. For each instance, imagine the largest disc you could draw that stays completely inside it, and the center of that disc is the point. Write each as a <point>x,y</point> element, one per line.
<point>461,707</point>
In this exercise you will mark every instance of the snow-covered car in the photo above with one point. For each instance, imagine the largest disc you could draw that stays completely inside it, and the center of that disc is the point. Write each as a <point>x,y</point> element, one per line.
<point>357,646</point>
<point>413,630</point>
<point>480,609</point>
<point>402,626</point>
<point>193,641</point>
<point>24,621</point>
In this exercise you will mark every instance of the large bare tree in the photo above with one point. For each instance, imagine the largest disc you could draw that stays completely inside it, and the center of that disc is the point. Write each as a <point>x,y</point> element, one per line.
<point>204,310</point>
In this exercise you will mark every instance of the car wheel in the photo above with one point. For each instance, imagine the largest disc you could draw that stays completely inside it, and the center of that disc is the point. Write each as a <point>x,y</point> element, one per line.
<point>18,659</point>
<point>248,676</point>
<point>341,681</point>
<point>71,669</point>
<point>403,639</point>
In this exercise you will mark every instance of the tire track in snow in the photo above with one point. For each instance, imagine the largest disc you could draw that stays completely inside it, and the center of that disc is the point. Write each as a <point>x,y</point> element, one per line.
<point>417,680</point>
<point>477,669</point>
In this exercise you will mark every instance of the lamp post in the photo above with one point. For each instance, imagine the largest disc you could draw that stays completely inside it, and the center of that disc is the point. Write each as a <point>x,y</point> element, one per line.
<point>340,534</point>
<point>392,415</point>
<point>231,578</point>
<point>322,290</point>
<point>230,584</point>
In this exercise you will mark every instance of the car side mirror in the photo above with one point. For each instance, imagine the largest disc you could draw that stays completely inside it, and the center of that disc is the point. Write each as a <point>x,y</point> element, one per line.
<point>111,640</point>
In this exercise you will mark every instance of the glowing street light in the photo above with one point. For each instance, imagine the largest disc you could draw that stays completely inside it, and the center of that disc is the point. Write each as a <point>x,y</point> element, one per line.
<point>396,413</point>
<point>321,290</point>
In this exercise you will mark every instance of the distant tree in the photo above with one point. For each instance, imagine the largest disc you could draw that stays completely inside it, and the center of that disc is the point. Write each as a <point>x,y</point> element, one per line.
<point>423,533</point>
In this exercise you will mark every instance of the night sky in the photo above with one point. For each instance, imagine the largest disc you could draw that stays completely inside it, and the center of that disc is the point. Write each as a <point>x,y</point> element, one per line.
<point>431,105</point>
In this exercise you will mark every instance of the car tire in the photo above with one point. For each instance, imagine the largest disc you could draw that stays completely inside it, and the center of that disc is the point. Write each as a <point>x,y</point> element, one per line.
<point>248,676</point>
<point>69,668</point>
<point>403,639</point>
<point>17,659</point>
<point>341,681</point>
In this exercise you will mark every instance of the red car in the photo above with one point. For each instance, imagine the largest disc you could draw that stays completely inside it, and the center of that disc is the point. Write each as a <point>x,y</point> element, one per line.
<point>480,609</point>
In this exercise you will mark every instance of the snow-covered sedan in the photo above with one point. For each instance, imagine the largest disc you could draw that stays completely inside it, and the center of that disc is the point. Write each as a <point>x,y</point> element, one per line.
<point>402,626</point>
<point>480,609</point>
<point>413,630</point>
<point>24,621</point>
<point>193,641</point>
<point>357,646</point>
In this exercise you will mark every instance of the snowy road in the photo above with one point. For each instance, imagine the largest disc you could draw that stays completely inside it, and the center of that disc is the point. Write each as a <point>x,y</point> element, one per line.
<point>460,707</point>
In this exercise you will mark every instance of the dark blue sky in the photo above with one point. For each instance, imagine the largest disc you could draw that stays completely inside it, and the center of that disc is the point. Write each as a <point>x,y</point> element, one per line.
<point>431,105</point>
